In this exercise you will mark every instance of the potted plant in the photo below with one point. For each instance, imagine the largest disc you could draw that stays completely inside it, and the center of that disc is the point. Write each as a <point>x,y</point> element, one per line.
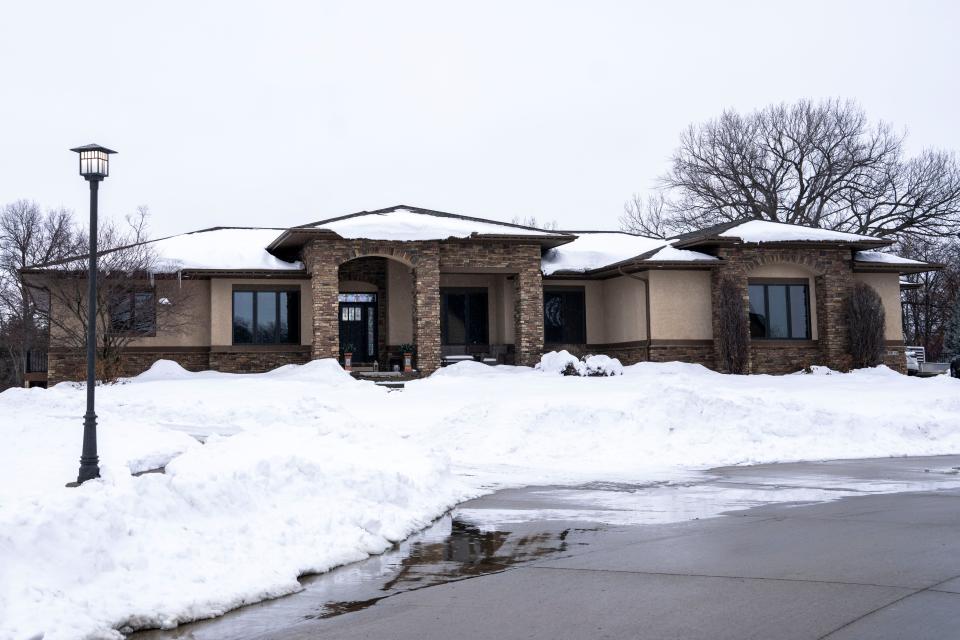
<point>347,356</point>
<point>407,350</point>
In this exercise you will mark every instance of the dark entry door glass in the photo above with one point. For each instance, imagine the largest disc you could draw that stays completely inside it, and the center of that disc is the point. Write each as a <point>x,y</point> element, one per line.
<point>358,325</point>
<point>464,316</point>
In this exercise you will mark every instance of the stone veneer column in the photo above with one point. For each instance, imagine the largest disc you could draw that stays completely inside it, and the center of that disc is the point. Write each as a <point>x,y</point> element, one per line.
<point>833,290</point>
<point>426,308</point>
<point>528,315</point>
<point>733,268</point>
<point>325,288</point>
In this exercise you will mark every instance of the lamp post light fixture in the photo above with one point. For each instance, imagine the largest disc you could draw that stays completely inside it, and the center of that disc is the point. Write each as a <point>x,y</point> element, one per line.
<point>94,167</point>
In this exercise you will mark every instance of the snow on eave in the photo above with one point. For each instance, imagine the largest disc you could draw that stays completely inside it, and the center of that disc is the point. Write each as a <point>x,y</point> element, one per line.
<point>600,251</point>
<point>884,258</point>
<point>880,261</point>
<point>215,249</point>
<point>768,232</point>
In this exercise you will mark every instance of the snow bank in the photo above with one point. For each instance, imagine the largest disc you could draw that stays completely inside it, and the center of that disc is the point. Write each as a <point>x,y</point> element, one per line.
<point>659,421</point>
<point>318,469</point>
<point>233,522</point>
<point>302,485</point>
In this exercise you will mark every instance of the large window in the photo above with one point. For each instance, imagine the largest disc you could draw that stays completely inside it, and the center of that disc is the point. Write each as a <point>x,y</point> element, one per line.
<point>779,311</point>
<point>564,316</point>
<point>463,316</point>
<point>266,317</point>
<point>133,312</point>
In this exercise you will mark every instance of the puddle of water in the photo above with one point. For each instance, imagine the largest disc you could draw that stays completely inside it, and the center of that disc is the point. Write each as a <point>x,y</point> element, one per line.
<point>449,550</point>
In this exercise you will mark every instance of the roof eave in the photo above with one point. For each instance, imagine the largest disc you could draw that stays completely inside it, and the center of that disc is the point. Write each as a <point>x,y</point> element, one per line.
<point>633,266</point>
<point>730,242</point>
<point>296,237</point>
<point>892,267</point>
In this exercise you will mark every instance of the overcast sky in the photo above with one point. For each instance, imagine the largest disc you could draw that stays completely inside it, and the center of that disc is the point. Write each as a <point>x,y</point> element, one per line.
<point>281,113</point>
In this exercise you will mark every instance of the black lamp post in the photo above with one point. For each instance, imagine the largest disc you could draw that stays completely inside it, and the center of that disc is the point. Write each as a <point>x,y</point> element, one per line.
<point>94,167</point>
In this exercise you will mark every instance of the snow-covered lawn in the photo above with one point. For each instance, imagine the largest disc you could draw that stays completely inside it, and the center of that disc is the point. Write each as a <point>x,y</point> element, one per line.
<point>305,468</point>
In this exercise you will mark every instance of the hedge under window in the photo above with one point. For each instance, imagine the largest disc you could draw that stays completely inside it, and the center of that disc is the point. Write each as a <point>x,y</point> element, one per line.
<point>266,317</point>
<point>779,311</point>
<point>564,316</point>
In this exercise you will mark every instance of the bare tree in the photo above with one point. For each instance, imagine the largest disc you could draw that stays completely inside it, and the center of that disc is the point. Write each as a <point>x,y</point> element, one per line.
<point>821,164</point>
<point>733,338</point>
<point>927,309</point>
<point>865,321</point>
<point>531,221</point>
<point>648,217</point>
<point>28,236</point>
<point>136,296</point>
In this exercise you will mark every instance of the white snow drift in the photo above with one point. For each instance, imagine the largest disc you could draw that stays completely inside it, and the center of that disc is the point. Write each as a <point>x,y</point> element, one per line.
<point>305,468</point>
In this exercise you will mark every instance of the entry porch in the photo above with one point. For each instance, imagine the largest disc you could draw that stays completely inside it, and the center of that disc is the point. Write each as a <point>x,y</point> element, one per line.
<point>380,301</point>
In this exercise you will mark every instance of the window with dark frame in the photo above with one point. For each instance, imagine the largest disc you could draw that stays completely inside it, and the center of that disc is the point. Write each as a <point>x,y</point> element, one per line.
<point>779,311</point>
<point>564,316</point>
<point>266,316</point>
<point>133,312</point>
<point>464,318</point>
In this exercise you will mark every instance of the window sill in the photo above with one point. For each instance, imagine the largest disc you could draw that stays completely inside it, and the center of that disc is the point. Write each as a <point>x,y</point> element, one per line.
<point>781,342</point>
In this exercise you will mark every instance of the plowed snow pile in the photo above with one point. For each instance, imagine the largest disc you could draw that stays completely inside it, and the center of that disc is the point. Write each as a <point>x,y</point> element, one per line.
<point>304,468</point>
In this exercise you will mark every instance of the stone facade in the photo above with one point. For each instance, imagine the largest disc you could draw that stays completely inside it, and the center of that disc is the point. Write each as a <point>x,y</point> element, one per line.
<point>787,356</point>
<point>66,365</point>
<point>257,361</point>
<point>331,260</point>
<point>696,352</point>
<point>833,276</point>
<point>325,258</point>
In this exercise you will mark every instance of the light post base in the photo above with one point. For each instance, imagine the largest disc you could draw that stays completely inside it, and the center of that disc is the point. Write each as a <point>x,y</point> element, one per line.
<point>89,461</point>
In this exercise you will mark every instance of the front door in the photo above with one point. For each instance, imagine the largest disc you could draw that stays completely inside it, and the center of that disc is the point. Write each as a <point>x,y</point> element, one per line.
<point>358,326</point>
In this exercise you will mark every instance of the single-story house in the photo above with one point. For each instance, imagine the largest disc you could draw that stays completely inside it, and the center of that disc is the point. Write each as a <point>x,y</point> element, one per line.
<point>456,285</point>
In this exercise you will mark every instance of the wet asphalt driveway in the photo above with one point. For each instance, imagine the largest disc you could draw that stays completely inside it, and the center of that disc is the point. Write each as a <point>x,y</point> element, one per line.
<point>844,549</point>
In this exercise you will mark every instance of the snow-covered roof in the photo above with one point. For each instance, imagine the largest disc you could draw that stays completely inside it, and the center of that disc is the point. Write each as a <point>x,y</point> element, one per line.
<point>597,249</point>
<point>883,258</point>
<point>765,231</point>
<point>410,223</point>
<point>215,249</point>
<point>229,249</point>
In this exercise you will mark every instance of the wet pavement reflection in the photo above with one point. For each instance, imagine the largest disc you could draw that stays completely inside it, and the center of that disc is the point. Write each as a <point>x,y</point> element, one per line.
<point>513,527</point>
<point>448,550</point>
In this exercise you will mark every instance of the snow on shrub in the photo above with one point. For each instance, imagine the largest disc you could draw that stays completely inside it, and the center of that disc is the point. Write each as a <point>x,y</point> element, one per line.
<point>601,365</point>
<point>565,363</point>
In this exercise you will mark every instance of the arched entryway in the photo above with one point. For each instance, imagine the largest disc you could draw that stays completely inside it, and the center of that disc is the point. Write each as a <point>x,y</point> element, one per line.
<point>375,310</point>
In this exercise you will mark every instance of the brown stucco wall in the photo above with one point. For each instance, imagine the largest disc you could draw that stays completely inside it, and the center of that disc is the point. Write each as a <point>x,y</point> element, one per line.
<point>680,305</point>
<point>400,304</point>
<point>888,286</point>
<point>624,310</point>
